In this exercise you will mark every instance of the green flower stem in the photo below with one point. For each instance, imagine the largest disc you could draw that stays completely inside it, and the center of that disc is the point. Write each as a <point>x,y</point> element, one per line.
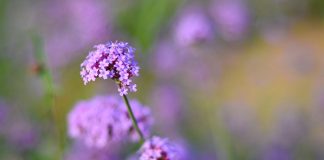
<point>133,118</point>
<point>45,74</point>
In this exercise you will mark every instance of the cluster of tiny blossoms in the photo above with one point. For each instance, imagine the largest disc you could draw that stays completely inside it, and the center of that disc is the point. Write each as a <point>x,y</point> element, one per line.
<point>104,120</point>
<point>114,60</point>
<point>158,148</point>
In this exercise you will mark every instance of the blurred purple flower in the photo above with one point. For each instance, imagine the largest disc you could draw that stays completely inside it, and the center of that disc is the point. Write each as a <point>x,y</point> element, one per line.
<point>77,22</point>
<point>277,153</point>
<point>300,59</point>
<point>158,148</point>
<point>166,61</point>
<point>114,60</point>
<point>317,109</point>
<point>203,68</point>
<point>22,135</point>
<point>79,151</point>
<point>273,34</point>
<point>104,120</point>
<point>193,27</point>
<point>232,18</point>
<point>183,149</point>
<point>3,116</point>
<point>290,126</point>
<point>241,121</point>
<point>168,66</point>
<point>168,104</point>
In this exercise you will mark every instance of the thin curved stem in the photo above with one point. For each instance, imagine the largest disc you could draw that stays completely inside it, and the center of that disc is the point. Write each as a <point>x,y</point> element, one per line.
<point>135,124</point>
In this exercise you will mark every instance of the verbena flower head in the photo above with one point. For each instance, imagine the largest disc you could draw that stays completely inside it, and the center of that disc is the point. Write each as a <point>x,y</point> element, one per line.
<point>104,120</point>
<point>114,60</point>
<point>158,148</point>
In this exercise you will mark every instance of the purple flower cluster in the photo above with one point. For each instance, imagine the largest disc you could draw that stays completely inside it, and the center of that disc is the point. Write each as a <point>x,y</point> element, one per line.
<point>114,60</point>
<point>158,148</point>
<point>104,120</point>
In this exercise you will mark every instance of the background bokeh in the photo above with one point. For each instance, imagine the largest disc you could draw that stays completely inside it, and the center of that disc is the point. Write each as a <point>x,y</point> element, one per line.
<point>227,79</point>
